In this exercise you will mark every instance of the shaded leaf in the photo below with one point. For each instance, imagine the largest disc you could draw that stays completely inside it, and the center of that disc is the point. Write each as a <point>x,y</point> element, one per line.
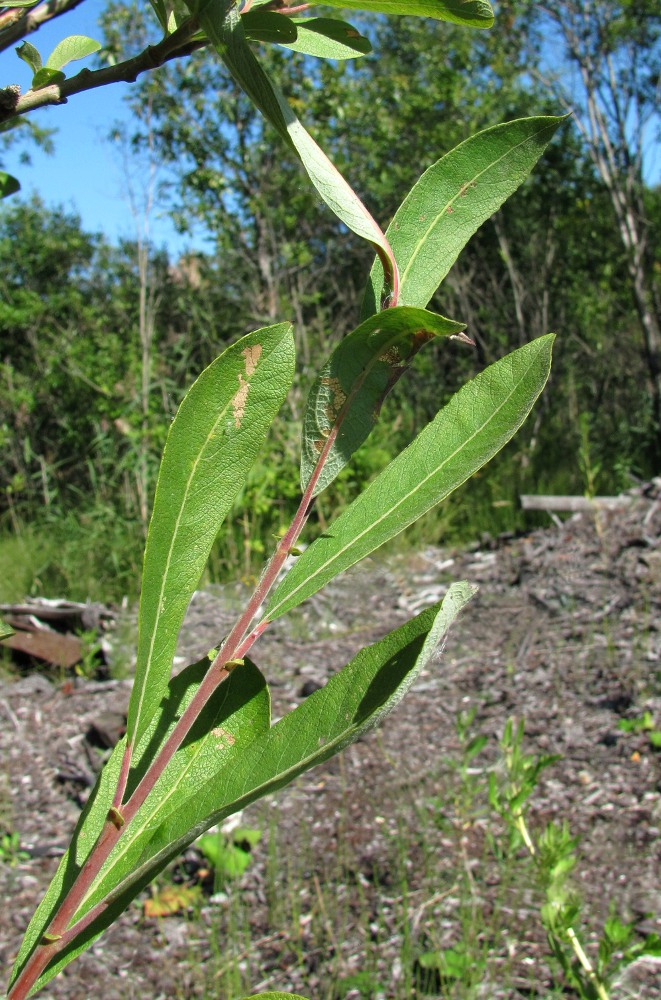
<point>344,401</point>
<point>71,48</point>
<point>327,38</point>
<point>29,54</point>
<point>212,443</point>
<point>8,185</point>
<point>451,201</point>
<point>45,76</point>
<point>475,424</point>
<point>472,13</point>
<point>239,706</point>
<point>266,26</point>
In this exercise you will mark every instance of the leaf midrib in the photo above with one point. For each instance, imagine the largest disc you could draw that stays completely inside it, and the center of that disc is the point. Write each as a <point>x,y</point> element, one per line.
<point>272,613</point>
<point>451,202</point>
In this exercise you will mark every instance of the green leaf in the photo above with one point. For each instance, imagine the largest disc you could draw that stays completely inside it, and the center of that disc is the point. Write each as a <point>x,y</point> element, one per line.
<point>45,76</point>
<point>211,445</point>
<point>225,31</point>
<point>5,630</point>
<point>475,424</point>
<point>472,13</point>
<point>451,201</point>
<point>8,185</point>
<point>327,38</point>
<point>236,714</point>
<point>210,777</point>
<point>268,27</point>
<point>29,54</point>
<point>71,48</point>
<point>347,394</point>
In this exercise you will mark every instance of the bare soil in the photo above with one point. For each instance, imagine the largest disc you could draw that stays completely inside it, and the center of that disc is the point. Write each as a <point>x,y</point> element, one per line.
<point>389,850</point>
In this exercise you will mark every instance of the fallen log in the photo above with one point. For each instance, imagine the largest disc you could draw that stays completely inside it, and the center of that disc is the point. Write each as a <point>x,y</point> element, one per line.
<point>573,504</point>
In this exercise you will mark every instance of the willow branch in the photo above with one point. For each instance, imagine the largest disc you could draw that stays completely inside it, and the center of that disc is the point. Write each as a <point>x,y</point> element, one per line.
<point>180,43</point>
<point>17,22</point>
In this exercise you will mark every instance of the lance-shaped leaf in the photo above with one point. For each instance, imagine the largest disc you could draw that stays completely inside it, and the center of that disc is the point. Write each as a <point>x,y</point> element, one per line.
<point>475,424</point>
<point>267,26</point>
<point>346,396</point>
<point>472,13</point>
<point>327,38</point>
<point>215,777</point>
<point>237,713</point>
<point>212,443</point>
<point>225,31</point>
<point>451,201</point>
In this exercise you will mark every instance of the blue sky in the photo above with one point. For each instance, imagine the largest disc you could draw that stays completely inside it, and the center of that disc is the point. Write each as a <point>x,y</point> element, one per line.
<point>85,173</point>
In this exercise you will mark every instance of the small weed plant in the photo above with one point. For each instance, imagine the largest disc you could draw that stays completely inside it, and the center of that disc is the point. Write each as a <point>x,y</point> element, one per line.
<point>201,746</point>
<point>553,854</point>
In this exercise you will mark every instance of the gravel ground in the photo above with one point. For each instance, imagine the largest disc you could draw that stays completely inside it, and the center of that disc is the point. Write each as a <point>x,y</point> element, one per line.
<point>387,851</point>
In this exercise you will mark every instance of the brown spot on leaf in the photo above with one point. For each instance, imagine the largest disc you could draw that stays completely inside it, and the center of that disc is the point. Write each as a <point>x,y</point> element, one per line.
<point>225,739</point>
<point>337,398</point>
<point>252,356</point>
<point>239,401</point>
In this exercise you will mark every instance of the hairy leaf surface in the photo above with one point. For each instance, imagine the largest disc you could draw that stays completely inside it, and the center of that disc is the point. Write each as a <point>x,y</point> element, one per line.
<point>346,396</point>
<point>216,434</point>
<point>451,201</point>
<point>465,434</point>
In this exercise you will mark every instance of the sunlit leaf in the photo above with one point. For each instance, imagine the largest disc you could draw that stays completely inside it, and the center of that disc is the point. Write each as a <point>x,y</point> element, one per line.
<point>206,783</point>
<point>71,48</point>
<point>46,76</point>
<point>237,713</point>
<point>212,443</point>
<point>475,424</point>
<point>472,13</point>
<point>225,31</point>
<point>451,201</point>
<point>327,38</point>
<point>346,396</point>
